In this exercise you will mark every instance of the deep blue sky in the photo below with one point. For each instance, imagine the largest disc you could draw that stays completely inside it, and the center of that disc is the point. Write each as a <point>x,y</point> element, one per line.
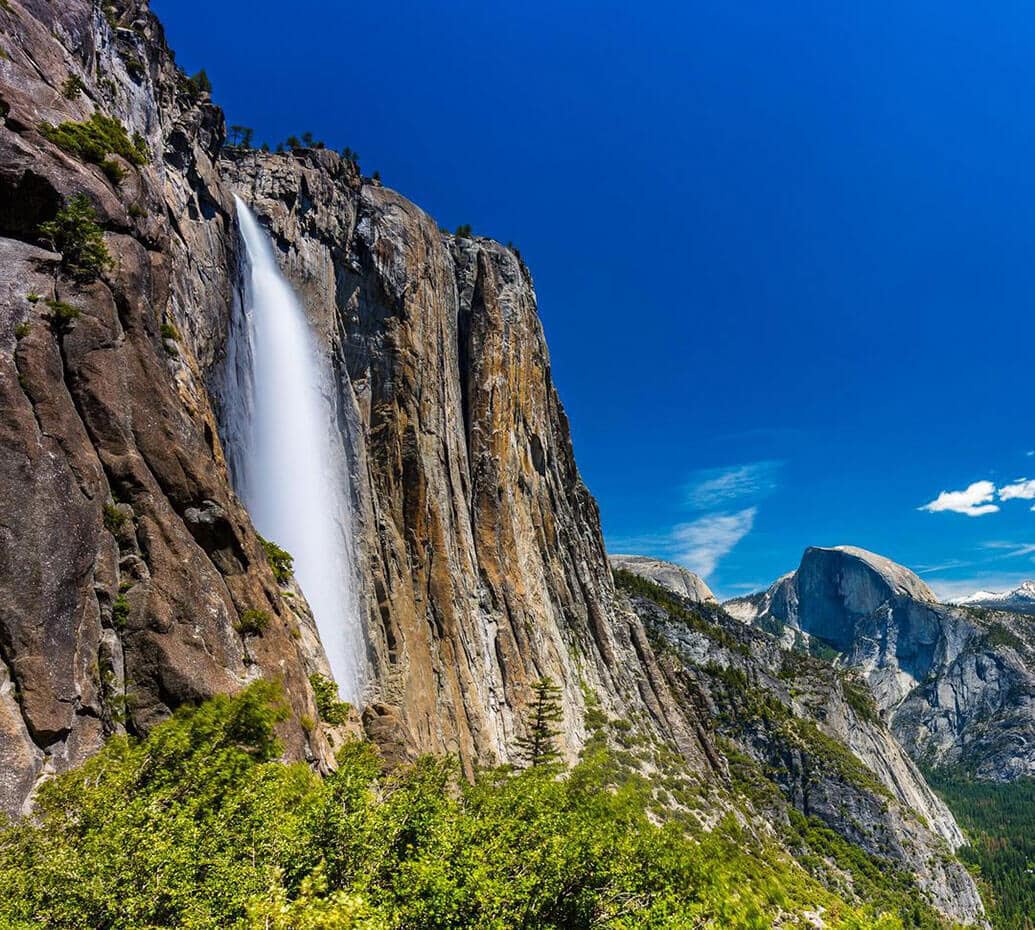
<point>784,252</point>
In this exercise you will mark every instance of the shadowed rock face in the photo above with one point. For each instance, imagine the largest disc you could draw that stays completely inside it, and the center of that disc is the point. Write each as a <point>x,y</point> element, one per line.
<point>957,685</point>
<point>483,558</point>
<point>125,560</point>
<point>677,579</point>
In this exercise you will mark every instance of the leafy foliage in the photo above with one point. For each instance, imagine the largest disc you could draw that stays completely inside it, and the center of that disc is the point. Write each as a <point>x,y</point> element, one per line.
<point>281,561</point>
<point>332,710</point>
<point>199,827</point>
<point>999,820</point>
<point>252,622</point>
<point>62,314</point>
<point>200,83</point>
<point>76,234</point>
<point>94,139</point>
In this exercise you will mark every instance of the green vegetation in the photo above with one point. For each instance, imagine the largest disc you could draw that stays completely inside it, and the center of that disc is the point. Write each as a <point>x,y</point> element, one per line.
<point>676,607</point>
<point>463,231</point>
<point>999,819</point>
<point>72,87</point>
<point>113,171</point>
<point>199,826</point>
<point>252,622</point>
<point>331,709</point>
<point>62,315</point>
<point>76,234</point>
<point>538,746</point>
<point>120,612</point>
<point>859,697</point>
<point>94,139</point>
<point>280,561</point>
<point>114,519</point>
<point>169,331</point>
<point>199,84</point>
<point>21,330</point>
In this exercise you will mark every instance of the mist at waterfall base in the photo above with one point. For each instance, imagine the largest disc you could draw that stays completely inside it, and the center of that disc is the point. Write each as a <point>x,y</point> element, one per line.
<point>286,452</point>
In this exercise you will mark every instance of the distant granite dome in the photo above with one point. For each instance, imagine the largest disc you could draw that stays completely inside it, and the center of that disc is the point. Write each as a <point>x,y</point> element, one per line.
<point>1020,600</point>
<point>956,688</point>
<point>680,580</point>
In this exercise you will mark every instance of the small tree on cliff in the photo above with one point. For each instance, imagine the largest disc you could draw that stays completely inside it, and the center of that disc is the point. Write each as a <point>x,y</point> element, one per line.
<point>537,746</point>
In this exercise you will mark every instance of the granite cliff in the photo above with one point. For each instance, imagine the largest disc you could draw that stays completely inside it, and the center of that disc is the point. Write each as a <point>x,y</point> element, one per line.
<point>133,580</point>
<point>956,684</point>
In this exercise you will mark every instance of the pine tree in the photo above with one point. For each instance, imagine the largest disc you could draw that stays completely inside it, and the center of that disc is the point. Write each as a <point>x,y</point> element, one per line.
<point>537,747</point>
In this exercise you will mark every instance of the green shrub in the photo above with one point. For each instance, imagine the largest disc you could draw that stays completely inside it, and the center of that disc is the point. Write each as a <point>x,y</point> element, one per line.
<point>169,331</point>
<point>199,826</point>
<point>463,231</point>
<point>136,211</point>
<point>21,330</point>
<point>114,519</point>
<point>72,87</point>
<point>280,560</point>
<point>120,612</point>
<point>199,84</point>
<point>77,235</point>
<point>113,171</point>
<point>94,139</point>
<point>332,710</point>
<point>62,315</point>
<point>252,622</point>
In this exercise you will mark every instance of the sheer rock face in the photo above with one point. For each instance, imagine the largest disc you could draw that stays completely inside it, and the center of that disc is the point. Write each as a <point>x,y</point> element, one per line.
<point>826,753</point>
<point>485,566</point>
<point>957,685</point>
<point>677,579</point>
<point>125,560</point>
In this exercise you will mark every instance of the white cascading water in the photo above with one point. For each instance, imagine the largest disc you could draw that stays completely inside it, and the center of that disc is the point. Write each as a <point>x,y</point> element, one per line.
<point>286,452</point>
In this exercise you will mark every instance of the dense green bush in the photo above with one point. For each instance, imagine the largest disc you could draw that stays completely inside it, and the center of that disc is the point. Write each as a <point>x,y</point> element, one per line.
<point>280,560</point>
<point>96,138</point>
<point>252,622</point>
<point>331,709</point>
<point>77,235</point>
<point>198,826</point>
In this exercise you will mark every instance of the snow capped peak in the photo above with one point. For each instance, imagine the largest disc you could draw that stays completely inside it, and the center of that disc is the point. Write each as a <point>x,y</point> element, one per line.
<point>1021,599</point>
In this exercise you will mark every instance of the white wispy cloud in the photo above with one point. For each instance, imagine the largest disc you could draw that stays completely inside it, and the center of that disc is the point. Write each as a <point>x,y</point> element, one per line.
<point>974,501</point>
<point>1022,489</point>
<point>717,487</point>
<point>1009,550</point>
<point>701,544</point>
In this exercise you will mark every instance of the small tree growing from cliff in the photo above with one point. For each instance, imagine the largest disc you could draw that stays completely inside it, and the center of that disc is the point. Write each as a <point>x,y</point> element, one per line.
<point>77,235</point>
<point>538,746</point>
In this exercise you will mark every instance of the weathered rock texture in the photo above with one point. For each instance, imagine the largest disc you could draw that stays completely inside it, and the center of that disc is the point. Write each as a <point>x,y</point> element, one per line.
<point>809,737</point>
<point>127,564</point>
<point>956,684</point>
<point>677,579</point>
<point>485,565</point>
<point>125,560</point>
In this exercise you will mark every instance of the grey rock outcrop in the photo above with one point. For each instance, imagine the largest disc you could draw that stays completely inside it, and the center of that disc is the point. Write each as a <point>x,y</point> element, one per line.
<point>813,733</point>
<point>677,579</point>
<point>957,684</point>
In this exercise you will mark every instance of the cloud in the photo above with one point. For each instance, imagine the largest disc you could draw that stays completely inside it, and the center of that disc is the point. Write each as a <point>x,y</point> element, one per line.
<point>717,487</point>
<point>975,501</point>
<point>701,544</point>
<point>1010,550</point>
<point>1022,489</point>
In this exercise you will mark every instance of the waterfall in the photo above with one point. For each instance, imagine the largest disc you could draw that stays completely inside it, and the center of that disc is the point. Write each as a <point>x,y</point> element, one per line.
<point>285,449</point>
